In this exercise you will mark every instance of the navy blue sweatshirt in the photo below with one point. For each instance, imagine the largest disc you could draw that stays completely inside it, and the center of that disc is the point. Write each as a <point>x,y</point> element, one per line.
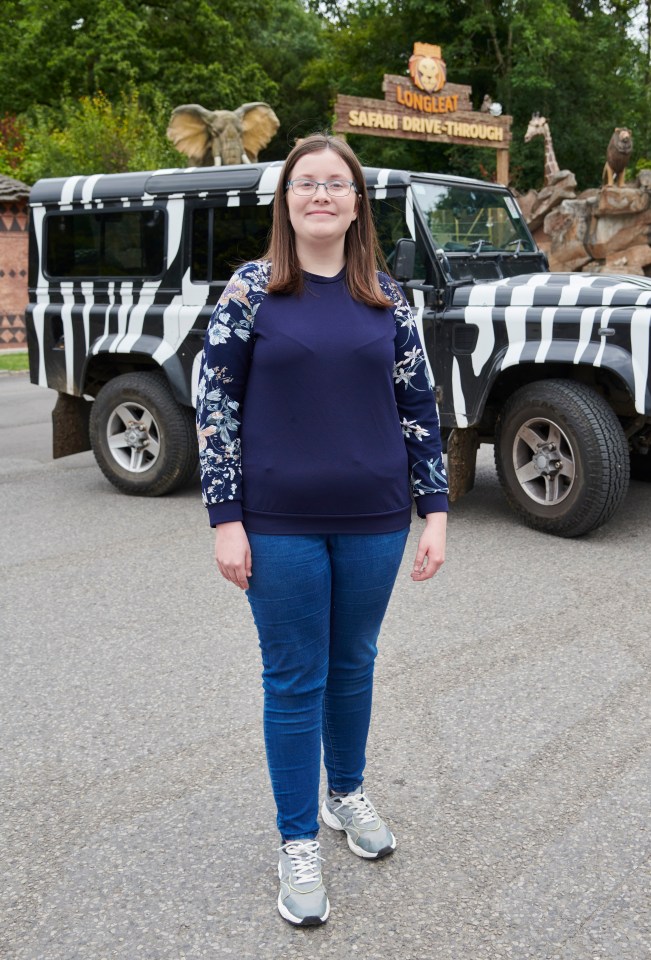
<point>316,413</point>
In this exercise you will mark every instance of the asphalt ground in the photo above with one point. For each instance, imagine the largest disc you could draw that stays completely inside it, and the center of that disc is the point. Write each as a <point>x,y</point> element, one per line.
<point>510,748</point>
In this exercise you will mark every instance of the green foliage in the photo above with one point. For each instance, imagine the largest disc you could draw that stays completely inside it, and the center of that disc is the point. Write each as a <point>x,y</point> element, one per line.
<point>188,50</point>
<point>12,145</point>
<point>70,71</point>
<point>95,136</point>
<point>575,61</point>
<point>581,73</point>
<point>284,47</point>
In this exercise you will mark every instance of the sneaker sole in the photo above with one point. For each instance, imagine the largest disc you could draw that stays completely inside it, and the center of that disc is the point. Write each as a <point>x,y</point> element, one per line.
<point>331,821</point>
<point>313,921</point>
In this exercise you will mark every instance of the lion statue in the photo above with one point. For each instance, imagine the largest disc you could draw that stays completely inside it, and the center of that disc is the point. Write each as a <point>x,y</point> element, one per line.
<point>617,157</point>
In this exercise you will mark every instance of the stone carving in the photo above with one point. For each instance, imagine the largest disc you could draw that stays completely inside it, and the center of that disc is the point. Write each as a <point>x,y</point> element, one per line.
<point>565,245</point>
<point>605,230</point>
<point>219,137</point>
<point>617,157</point>
<point>538,203</point>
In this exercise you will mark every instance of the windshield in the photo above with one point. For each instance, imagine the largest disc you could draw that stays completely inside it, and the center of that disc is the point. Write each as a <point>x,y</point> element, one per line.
<point>469,219</point>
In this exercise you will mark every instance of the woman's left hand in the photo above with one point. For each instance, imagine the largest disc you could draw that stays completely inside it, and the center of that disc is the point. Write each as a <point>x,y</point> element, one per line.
<point>430,555</point>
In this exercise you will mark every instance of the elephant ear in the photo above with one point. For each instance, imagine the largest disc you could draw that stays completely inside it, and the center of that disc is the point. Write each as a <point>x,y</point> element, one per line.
<point>259,123</point>
<point>189,131</point>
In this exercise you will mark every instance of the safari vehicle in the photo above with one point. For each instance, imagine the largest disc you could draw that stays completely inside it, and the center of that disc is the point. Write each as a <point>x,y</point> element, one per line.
<point>552,369</point>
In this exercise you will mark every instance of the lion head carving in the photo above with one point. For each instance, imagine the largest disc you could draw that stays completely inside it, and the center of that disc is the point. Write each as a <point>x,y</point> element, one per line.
<point>426,67</point>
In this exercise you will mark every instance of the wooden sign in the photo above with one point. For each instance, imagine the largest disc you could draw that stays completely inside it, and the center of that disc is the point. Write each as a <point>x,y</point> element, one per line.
<point>420,107</point>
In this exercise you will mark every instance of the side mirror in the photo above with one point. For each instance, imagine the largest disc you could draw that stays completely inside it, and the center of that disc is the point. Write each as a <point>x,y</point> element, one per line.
<point>404,260</point>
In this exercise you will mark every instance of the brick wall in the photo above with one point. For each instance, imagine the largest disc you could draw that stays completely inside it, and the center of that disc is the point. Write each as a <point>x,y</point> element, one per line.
<point>13,272</point>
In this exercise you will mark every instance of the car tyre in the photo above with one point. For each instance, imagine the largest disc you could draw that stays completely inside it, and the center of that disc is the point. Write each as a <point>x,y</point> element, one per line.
<point>144,442</point>
<point>562,457</point>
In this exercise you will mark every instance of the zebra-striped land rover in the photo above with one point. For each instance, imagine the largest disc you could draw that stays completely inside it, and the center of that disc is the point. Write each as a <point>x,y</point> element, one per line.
<point>125,270</point>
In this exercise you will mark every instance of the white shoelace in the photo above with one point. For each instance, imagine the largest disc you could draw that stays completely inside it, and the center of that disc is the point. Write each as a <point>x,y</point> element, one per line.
<point>304,857</point>
<point>361,807</point>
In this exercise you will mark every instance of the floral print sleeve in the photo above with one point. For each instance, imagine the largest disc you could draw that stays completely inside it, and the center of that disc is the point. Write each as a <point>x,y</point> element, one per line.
<point>416,404</point>
<point>222,381</point>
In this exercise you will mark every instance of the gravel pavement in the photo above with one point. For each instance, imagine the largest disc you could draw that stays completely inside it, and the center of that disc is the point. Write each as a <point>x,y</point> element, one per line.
<point>510,748</point>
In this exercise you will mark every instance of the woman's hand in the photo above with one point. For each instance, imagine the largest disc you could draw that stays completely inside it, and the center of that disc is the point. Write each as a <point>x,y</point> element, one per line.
<point>233,553</point>
<point>431,547</point>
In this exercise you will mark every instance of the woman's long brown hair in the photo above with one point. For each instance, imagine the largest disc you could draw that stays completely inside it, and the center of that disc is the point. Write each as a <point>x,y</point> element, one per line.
<point>361,247</point>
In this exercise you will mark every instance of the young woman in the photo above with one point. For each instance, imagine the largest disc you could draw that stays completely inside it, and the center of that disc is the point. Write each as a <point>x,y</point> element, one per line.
<point>316,419</point>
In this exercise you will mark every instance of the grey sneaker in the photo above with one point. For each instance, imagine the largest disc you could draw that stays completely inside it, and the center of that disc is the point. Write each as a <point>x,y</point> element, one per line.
<point>302,899</point>
<point>368,835</point>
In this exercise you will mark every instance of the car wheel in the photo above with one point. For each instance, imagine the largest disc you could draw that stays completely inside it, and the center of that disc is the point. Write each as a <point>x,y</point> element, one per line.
<point>561,457</point>
<point>144,442</point>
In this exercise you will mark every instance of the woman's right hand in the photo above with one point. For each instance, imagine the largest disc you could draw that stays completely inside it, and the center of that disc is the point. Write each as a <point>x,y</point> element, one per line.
<point>233,553</point>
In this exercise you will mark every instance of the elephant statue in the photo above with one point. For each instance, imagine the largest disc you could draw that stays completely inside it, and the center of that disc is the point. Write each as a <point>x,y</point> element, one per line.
<point>219,137</point>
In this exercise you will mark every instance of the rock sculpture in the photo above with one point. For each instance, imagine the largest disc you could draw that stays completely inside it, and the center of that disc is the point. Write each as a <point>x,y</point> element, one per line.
<point>219,137</point>
<point>617,157</point>
<point>603,230</point>
<point>538,203</point>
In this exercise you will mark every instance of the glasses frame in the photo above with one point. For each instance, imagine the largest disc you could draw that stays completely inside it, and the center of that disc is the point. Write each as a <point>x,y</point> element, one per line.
<point>324,184</point>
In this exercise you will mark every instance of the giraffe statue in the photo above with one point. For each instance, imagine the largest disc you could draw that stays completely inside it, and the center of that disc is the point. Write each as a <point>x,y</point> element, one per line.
<point>538,127</point>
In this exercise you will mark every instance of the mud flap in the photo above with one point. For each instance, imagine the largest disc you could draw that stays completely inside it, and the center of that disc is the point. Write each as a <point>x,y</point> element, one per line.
<point>462,450</point>
<point>70,426</point>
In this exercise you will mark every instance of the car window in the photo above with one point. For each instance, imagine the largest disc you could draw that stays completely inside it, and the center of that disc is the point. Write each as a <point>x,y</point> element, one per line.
<point>222,238</point>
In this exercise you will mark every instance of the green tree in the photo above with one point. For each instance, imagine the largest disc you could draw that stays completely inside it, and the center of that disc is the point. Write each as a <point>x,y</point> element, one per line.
<point>185,50</point>
<point>576,61</point>
<point>585,64</point>
<point>55,59</point>
<point>94,136</point>
<point>284,47</point>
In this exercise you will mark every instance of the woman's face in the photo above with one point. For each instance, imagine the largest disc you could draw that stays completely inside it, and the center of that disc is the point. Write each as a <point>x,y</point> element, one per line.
<point>321,218</point>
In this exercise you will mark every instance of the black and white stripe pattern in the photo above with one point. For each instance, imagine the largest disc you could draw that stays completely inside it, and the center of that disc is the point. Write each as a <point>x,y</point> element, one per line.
<point>161,319</point>
<point>154,318</point>
<point>554,317</point>
<point>534,319</point>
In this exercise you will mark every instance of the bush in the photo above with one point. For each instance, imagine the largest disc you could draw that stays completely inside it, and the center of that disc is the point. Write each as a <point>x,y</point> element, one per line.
<point>97,136</point>
<point>12,145</point>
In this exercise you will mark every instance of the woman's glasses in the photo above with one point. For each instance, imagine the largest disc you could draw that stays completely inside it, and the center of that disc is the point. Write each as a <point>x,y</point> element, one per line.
<point>307,188</point>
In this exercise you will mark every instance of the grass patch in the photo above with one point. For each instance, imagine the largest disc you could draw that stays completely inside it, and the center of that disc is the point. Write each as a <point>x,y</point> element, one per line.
<point>14,361</point>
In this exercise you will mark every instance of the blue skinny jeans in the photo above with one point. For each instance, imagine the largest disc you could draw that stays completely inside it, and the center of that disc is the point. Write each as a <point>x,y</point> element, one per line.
<point>318,602</point>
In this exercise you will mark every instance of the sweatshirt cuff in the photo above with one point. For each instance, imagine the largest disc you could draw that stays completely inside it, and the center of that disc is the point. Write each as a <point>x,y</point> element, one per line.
<point>431,503</point>
<point>226,512</point>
